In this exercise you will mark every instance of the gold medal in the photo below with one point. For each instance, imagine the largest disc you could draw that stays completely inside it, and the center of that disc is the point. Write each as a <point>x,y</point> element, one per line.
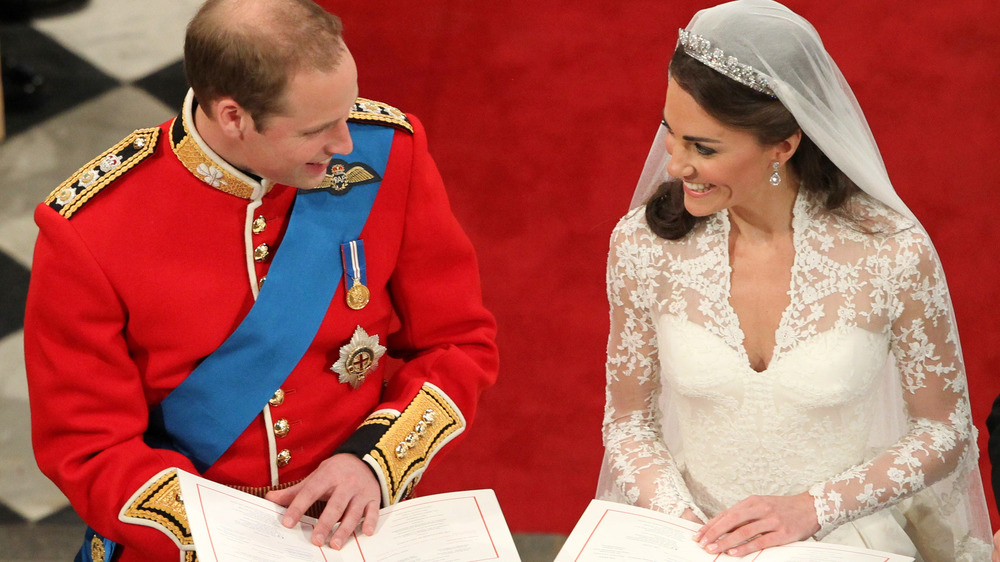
<point>357,296</point>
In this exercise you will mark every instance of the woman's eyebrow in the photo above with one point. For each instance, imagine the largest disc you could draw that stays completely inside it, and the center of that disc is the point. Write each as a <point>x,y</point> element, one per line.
<point>689,138</point>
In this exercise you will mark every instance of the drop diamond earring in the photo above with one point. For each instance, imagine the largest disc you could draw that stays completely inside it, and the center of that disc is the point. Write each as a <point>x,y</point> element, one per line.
<point>775,177</point>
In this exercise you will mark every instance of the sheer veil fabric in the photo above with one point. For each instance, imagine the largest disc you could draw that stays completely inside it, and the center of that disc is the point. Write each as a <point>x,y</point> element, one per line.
<point>950,514</point>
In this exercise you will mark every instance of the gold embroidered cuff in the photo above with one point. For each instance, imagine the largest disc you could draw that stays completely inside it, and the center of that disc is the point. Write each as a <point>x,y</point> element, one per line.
<point>159,505</point>
<point>410,439</point>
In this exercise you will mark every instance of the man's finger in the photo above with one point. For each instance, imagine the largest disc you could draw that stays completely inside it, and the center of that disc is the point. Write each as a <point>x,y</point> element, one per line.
<point>371,518</point>
<point>348,523</point>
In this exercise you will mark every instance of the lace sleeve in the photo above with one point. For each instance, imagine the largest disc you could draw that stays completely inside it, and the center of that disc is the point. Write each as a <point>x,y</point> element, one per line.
<point>640,466</point>
<point>928,356</point>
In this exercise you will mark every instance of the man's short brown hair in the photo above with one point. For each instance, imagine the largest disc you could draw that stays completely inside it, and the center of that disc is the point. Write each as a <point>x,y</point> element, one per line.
<point>249,49</point>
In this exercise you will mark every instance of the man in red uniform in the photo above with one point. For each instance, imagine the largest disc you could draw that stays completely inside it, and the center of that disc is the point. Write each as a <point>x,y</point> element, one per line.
<point>215,295</point>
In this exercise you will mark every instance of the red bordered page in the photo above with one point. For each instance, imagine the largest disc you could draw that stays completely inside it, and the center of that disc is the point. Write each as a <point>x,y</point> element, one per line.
<point>229,525</point>
<point>614,531</point>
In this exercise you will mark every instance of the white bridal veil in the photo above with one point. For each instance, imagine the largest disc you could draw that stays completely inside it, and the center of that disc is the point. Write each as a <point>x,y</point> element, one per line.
<point>785,53</point>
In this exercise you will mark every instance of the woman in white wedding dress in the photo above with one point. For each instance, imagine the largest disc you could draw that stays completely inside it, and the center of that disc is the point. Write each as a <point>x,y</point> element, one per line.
<point>783,360</point>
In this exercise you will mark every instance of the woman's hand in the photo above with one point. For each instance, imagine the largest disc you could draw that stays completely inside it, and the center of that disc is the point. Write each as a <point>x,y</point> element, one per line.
<point>759,522</point>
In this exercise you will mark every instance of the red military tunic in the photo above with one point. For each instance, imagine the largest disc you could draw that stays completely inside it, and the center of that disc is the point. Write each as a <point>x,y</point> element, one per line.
<point>151,255</point>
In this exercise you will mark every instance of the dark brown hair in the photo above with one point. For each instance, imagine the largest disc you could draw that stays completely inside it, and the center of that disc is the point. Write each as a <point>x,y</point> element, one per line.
<point>741,107</point>
<point>248,50</point>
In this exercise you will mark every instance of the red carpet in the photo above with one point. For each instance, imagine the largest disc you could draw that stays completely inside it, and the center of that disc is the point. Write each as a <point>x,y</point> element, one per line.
<point>540,115</point>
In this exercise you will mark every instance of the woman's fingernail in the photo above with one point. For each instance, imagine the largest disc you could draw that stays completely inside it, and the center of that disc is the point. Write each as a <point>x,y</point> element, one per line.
<point>712,547</point>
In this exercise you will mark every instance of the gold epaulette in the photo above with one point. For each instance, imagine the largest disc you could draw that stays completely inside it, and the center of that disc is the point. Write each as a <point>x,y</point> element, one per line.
<point>369,111</point>
<point>159,504</point>
<point>97,174</point>
<point>411,439</point>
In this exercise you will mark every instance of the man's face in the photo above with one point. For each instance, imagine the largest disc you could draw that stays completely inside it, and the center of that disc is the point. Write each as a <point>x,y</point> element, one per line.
<point>296,144</point>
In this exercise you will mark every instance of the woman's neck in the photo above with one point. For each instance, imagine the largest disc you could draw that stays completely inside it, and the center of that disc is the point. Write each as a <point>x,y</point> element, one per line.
<point>767,217</point>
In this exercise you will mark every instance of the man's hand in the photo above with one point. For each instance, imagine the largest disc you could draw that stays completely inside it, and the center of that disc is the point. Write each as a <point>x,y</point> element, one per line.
<point>759,522</point>
<point>350,490</point>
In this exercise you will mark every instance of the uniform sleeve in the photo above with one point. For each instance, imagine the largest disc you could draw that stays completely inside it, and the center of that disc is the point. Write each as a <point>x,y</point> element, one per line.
<point>88,408</point>
<point>641,467</point>
<point>941,437</point>
<point>445,339</point>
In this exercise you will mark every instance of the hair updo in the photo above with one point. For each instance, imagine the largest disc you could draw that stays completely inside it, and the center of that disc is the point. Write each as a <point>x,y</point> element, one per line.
<point>741,107</point>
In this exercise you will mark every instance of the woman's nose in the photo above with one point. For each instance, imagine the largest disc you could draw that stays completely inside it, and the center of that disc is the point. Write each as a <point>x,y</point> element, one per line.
<point>678,166</point>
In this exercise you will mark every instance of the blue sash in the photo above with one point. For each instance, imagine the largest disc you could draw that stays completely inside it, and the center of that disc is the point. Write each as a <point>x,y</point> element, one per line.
<point>206,413</point>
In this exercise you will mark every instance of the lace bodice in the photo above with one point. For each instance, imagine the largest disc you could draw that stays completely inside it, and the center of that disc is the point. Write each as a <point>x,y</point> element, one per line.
<point>864,297</point>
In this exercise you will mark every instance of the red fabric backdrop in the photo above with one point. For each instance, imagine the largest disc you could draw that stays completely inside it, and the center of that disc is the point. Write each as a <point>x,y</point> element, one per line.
<point>540,115</point>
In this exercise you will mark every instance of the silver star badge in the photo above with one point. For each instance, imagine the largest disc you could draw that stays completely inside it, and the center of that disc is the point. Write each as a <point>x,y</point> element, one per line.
<point>358,358</point>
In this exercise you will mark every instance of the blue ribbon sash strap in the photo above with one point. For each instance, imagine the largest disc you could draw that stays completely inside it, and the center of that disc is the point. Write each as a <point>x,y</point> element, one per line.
<point>207,412</point>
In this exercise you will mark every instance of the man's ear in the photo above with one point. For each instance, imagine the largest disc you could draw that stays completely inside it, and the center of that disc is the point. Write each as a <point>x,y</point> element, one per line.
<point>232,119</point>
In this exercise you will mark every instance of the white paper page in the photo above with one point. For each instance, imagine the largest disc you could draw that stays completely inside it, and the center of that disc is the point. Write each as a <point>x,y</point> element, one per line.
<point>229,525</point>
<point>819,552</point>
<point>453,527</point>
<point>613,531</point>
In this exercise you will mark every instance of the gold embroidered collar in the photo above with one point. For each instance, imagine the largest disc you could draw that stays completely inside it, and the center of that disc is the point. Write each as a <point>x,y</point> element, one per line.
<point>204,163</point>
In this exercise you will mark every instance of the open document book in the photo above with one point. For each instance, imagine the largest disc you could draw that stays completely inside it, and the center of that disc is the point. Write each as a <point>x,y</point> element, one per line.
<point>613,531</point>
<point>229,525</point>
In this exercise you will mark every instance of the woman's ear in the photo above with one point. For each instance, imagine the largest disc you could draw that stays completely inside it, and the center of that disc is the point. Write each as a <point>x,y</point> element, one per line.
<point>786,148</point>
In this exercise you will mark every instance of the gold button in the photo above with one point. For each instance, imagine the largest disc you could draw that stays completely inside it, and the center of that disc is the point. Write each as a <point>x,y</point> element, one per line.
<point>260,252</point>
<point>260,282</point>
<point>282,427</point>
<point>278,399</point>
<point>259,224</point>
<point>284,457</point>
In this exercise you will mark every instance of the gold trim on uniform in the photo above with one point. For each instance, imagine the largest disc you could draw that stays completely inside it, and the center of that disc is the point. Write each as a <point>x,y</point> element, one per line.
<point>204,168</point>
<point>428,422</point>
<point>97,549</point>
<point>160,504</point>
<point>371,110</point>
<point>379,419</point>
<point>190,556</point>
<point>97,174</point>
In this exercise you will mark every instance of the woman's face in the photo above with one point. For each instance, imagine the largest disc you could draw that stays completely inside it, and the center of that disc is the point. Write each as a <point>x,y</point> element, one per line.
<point>722,167</point>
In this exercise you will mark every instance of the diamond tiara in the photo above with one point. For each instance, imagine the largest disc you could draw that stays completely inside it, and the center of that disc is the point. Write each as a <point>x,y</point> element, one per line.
<point>701,50</point>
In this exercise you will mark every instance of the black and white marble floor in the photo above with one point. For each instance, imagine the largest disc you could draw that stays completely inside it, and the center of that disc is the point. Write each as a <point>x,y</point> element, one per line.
<point>110,67</point>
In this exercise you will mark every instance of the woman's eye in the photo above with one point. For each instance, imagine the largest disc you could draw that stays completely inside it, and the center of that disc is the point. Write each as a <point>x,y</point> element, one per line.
<point>704,150</point>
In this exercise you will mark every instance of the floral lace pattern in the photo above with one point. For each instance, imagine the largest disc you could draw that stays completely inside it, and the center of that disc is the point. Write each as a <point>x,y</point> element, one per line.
<point>863,295</point>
